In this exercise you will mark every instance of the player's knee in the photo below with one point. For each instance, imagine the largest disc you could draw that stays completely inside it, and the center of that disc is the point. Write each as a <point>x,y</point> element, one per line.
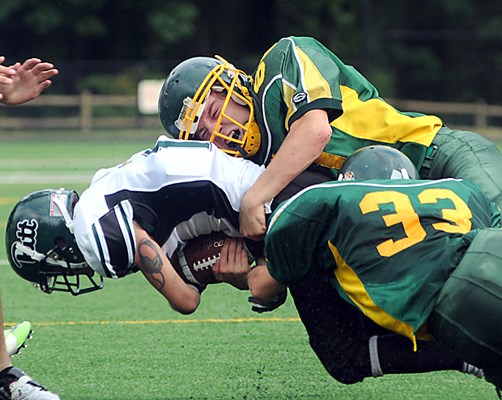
<point>346,374</point>
<point>343,364</point>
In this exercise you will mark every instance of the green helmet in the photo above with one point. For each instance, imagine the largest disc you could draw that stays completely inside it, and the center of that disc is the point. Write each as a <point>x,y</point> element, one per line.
<point>182,82</point>
<point>41,247</point>
<point>184,94</point>
<point>377,162</point>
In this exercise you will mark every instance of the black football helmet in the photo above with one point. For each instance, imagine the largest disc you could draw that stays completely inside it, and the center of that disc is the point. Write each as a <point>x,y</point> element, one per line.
<point>184,94</point>
<point>377,162</point>
<point>41,247</point>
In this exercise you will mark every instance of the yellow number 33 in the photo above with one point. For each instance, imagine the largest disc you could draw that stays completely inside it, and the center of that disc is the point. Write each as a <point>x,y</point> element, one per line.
<point>456,220</point>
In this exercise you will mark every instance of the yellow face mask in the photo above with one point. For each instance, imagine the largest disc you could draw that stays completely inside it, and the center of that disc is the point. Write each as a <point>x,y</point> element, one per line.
<point>225,78</point>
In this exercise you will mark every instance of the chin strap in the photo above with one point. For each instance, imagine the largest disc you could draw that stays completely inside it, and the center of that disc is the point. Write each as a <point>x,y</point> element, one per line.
<point>33,254</point>
<point>238,148</point>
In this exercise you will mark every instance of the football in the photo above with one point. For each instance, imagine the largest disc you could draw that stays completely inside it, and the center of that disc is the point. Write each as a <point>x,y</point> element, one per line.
<point>194,261</point>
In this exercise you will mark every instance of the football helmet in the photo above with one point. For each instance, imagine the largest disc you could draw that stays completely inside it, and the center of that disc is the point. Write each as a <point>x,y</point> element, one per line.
<point>377,162</point>
<point>41,247</point>
<point>184,94</point>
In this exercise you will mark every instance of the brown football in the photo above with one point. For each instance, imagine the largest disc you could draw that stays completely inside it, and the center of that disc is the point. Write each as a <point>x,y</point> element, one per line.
<point>194,261</point>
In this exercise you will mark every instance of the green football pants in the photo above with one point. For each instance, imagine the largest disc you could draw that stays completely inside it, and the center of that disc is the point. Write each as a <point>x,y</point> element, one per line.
<point>468,315</point>
<point>470,156</point>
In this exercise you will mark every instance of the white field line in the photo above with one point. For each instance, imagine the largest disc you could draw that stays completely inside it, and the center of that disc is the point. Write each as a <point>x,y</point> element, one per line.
<point>33,178</point>
<point>37,163</point>
<point>32,170</point>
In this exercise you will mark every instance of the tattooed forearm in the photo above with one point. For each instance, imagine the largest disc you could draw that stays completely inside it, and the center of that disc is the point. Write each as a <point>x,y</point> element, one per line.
<point>151,262</point>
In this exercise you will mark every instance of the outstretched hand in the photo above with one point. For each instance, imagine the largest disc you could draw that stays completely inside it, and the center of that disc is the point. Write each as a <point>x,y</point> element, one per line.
<point>6,74</point>
<point>20,83</point>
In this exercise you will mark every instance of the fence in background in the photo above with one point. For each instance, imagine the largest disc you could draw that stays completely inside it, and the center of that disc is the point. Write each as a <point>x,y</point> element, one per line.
<point>86,112</point>
<point>80,112</point>
<point>479,116</point>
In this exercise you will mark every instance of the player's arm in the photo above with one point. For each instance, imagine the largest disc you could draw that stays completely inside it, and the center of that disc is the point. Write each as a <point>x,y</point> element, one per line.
<point>262,285</point>
<point>305,141</point>
<point>157,269</point>
<point>267,294</point>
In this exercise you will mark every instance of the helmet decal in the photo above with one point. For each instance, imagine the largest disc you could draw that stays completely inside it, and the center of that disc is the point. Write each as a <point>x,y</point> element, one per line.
<point>183,112</point>
<point>26,232</point>
<point>346,176</point>
<point>54,208</point>
<point>60,199</point>
<point>401,173</point>
<point>188,108</point>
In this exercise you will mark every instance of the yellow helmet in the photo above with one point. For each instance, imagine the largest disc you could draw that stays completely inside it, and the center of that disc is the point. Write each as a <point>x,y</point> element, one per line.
<point>184,94</point>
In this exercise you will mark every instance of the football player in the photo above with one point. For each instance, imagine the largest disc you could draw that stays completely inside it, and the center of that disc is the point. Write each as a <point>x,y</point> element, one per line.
<point>20,83</point>
<point>134,213</point>
<point>303,108</point>
<point>419,258</point>
<point>129,218</point>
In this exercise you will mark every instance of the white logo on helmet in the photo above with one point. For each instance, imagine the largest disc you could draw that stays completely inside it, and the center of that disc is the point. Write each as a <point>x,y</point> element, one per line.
<point>400,174</point>
<point>26,232</point>
<point>347,176</point>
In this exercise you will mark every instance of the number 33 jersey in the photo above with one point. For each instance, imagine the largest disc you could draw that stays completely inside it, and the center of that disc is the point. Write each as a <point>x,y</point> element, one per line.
<point>388,245</point>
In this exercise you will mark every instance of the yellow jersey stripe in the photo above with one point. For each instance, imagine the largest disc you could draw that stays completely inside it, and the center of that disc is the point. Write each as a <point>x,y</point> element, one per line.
<point>355,290</point>
<point>314,84</point>
<point>330,160</point>
<point>377,120</point>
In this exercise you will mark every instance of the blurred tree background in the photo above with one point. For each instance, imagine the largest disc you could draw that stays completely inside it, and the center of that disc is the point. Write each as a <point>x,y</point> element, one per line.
<point>446,50</point>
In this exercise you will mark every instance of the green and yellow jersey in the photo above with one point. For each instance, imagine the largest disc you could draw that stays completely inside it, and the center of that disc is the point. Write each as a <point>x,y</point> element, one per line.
<point>389,245</point>
<point>299,74</point>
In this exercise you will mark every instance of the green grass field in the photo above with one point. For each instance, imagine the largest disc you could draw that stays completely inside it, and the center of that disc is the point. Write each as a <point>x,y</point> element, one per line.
<point>124,342</point>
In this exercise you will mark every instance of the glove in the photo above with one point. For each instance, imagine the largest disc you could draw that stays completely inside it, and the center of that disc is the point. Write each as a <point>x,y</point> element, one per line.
<point>261,307</point>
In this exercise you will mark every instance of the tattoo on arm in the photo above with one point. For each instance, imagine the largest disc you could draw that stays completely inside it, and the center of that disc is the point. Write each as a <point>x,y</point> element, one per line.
<point>151,262</point>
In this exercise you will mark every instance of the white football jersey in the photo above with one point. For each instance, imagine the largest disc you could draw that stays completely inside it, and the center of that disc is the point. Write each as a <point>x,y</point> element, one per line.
<point>175,191</point>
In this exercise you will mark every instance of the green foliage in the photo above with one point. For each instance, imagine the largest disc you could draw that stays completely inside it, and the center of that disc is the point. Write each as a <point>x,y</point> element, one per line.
<point>435,49</point>
<point>173,22</point>
<point>123,82</point>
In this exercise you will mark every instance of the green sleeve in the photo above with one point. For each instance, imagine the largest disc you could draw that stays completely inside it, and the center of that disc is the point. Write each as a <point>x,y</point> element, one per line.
<point>310,77</point>
<point>292,243</point>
